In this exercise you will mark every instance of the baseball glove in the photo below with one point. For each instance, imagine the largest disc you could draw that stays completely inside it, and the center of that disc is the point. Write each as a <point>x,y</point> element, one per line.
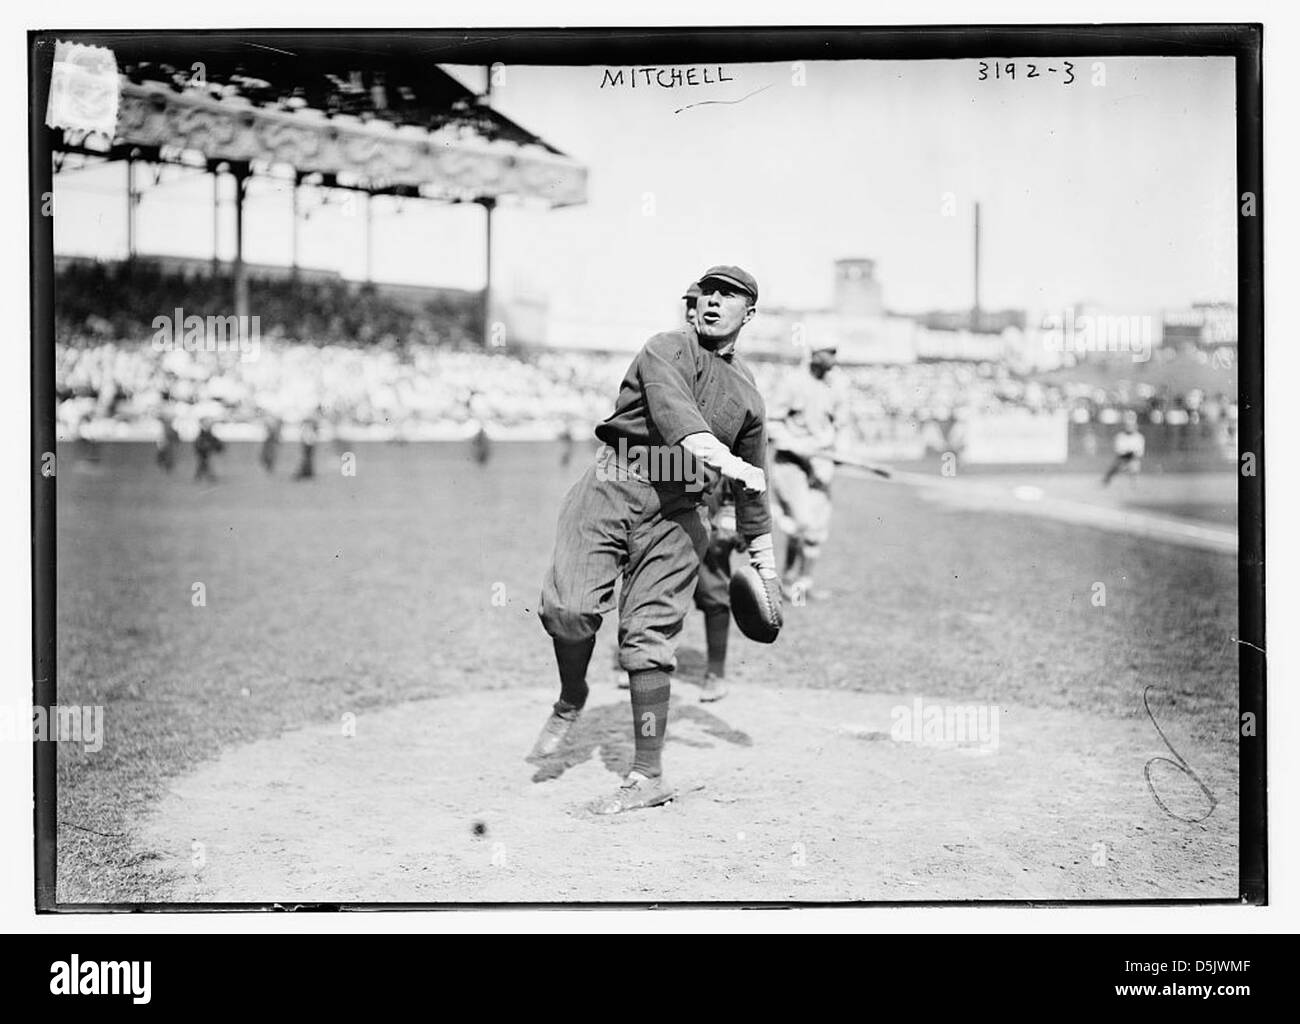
<point>756,604</point>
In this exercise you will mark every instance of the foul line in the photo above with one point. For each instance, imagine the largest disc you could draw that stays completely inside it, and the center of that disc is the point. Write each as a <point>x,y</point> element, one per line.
<point>990,497</point>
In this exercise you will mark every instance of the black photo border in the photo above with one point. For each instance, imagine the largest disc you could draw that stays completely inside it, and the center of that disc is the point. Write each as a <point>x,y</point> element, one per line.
<point>676,46</point>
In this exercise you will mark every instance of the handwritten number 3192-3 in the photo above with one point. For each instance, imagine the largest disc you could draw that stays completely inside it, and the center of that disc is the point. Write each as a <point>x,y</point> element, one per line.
<point>1008,70</point>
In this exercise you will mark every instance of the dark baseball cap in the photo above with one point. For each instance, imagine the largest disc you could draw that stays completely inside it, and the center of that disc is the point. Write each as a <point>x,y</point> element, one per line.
<point>692,291</point>
<point>742,279</point>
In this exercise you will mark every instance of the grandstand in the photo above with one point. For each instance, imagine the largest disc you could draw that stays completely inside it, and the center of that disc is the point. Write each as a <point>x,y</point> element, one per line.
<point>380,121</point>
<point>374,360</point>
<point>377,364</point>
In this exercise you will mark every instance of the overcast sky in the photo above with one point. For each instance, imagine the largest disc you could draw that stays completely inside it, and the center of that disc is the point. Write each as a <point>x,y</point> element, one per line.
<point>1122,194</point>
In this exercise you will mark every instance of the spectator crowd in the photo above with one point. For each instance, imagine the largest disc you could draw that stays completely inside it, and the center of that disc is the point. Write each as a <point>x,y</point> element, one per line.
<point>365,363</point>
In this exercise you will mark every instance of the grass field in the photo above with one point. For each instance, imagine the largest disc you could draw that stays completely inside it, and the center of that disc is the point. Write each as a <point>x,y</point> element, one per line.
<point>418,577</point>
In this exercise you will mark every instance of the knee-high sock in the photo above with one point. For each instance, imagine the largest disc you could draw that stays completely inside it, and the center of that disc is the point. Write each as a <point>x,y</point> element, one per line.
<point>717,624</point>
<point>793,553</point>
<point>650,692</point>
<point>572,659</point>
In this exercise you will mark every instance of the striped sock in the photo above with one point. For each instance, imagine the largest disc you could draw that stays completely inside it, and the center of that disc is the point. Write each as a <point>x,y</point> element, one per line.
<point>650,690</point>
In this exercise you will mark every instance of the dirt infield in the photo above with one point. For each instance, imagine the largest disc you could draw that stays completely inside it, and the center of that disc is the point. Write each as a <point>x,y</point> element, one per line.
<point>806,798</point>
<point>406,597</point>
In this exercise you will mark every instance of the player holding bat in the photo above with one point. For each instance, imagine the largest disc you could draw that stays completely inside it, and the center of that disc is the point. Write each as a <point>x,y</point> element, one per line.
<point>686,388</point>
<point>809,415</point>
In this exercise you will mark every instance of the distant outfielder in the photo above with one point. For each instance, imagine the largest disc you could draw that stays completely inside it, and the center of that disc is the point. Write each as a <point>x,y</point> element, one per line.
<point>168,440</point>
<point>206,445</point>
<point>1130,446</point>
<point>687,393</point>
<point>270,444</point>
<point>307,437</point>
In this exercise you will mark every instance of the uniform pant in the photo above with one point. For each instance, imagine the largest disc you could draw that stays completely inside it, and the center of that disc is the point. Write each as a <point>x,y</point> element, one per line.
<point>713,589</point>
<point>804,501</point>
<point>652,535</point>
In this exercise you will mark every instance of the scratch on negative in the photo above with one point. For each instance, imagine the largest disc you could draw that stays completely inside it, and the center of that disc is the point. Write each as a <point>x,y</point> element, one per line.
<point>705,103</point>
<point>273,49</point>
<point>1249,644</point>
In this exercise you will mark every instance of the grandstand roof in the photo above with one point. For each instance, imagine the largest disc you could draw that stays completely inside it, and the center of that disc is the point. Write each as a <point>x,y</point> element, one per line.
<point>376,114</point>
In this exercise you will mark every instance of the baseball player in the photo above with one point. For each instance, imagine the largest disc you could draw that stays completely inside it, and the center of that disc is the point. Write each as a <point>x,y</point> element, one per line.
<point>270,444</point>
<point>1130,446</point>
<point>168,439</point>
<point>206,445</point>
<point>307,437</point>
<point>808,419</point>
<point>712,588</point>
<point>686,394</point>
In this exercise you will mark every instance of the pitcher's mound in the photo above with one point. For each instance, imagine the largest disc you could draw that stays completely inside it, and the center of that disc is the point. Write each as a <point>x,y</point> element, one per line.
<point>806,796</point>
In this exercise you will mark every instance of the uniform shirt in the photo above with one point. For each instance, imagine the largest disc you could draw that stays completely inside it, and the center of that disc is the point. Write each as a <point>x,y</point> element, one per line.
<point>1133,444</point>
<point>811,413</point>
<point>676,387</point>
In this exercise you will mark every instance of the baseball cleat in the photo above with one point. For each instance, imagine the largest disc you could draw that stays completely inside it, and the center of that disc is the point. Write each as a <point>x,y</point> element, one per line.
<point>637,792</point>
<point>552,735</point>
<point>713,688</point>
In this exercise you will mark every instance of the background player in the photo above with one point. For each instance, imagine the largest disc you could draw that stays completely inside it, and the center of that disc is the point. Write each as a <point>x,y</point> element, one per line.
<point>270,443</point>
<point>206,445</point>
<point>809,415</point>
<point>307,442</point>
<point>685,387</point>
<point>1130,446</point>
<point>712,589</point>
<point>168,439</point>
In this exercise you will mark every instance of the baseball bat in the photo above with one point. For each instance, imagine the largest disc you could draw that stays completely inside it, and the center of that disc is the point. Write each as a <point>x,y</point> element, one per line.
<point>875,468</point>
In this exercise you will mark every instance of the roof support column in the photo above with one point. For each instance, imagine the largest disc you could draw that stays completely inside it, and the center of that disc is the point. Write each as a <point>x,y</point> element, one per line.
<point>215,168</point>
<point>241,175</point>
<point>130,207</point>
<point>370,246</point>
<point>489,204</point>
<point>293,271</point>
